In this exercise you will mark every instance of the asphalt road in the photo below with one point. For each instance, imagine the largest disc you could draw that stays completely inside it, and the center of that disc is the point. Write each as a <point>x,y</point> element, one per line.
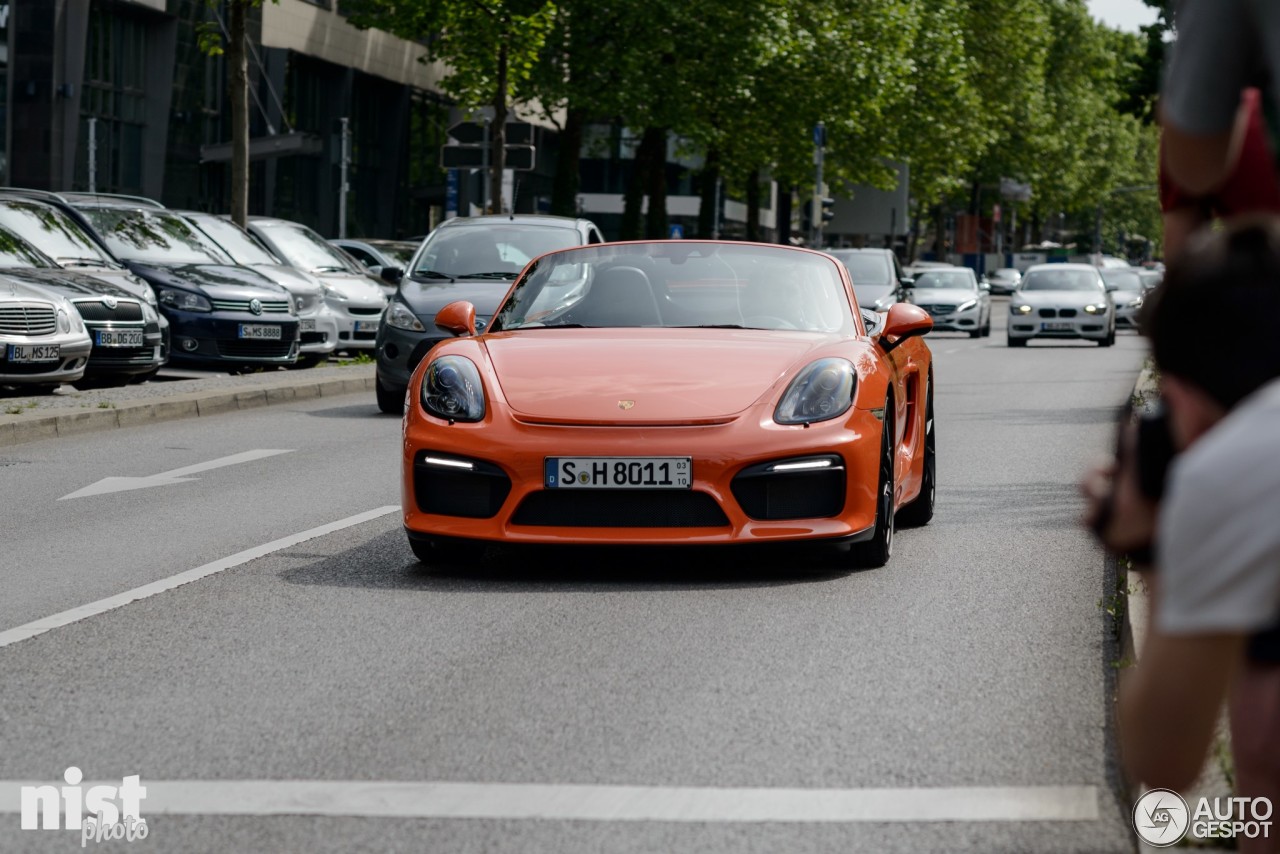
<point>976,662</point>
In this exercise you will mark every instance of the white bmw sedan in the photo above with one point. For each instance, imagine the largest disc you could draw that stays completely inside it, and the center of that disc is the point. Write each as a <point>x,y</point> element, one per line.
<point>1062,301</point>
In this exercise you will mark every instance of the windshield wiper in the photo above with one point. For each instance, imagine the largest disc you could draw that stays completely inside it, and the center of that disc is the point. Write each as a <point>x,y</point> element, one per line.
<point>713,326</point>
<point>488,276</point>
<point>554,326</point>
<point>430,274</point>
<point>330,269</point>
<point>83,262</point>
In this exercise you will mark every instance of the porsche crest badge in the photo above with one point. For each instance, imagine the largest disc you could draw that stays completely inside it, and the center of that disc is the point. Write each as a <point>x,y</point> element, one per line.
<point>626,404</point>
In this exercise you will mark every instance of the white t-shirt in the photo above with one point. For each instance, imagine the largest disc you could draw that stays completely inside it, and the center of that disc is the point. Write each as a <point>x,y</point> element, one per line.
<point>1218,546</point>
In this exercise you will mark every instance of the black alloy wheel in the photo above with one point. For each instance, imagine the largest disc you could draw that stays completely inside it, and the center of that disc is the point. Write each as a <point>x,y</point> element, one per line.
<point>876,551</point>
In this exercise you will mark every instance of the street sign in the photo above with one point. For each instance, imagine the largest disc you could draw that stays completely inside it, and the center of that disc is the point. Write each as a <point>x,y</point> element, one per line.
<point>676,232</point>
<point>467,133</point>
<point>519,133</point>
<point>820,135</point>
<point>520,156</point>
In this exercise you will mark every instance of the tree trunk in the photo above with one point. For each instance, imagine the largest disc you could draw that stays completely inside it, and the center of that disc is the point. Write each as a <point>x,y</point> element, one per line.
<point>708,201</point>
<point>633,198</point>
<point>939,234</point>
<point>753,205</point>
<point>655,140</point>
<point>564,189</point>
<point>237,62</point>
<point>783,215</point>
<point>498,132</point>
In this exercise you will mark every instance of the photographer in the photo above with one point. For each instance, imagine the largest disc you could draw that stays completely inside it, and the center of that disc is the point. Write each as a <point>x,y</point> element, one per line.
<point>1216,530</point>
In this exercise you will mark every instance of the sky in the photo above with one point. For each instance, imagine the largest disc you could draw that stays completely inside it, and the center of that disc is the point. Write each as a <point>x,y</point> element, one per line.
<point>1122,14</point>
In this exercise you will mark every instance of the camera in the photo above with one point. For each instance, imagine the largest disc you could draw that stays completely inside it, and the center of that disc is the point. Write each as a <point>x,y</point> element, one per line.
<point>1153,451</point>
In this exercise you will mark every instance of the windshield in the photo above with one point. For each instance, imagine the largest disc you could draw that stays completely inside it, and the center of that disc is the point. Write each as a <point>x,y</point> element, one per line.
<point>1122,280</point>
<point>54,233</point>
<point>1060,280</point>
<point>867,268</point>
<point>489,250</point>
<point>152,236</point>
<point>301,247</point>
<point>242,248</point>
<point>400,253</point>
<point>1006,273</point>
<point>960,280</point>
<point>16,252</point>
<point>681,284</point>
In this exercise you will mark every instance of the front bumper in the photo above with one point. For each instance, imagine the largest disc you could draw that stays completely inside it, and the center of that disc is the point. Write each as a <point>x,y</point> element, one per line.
<point>317,332</point>
<point>203,337</point>
<point>1093,327</point>
<point>1127,317</point>
<point>357,325</point>
<point>73,356</point>
<point>125,361</point>
<point>960,321</point>
<point>504,498</point>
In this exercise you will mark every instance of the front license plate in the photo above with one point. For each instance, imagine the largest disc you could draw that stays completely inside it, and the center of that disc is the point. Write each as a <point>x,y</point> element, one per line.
<point>33,352</point>
<point>308,325</point>
<point>618,472</point>
<point>366,326</point>
<point>1056,327</point>
<point>118,337</point>
<point>260,333</point>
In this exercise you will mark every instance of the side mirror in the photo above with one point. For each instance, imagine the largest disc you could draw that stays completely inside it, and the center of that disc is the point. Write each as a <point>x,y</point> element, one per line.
<point>457,317</point>
<point>391,275</point>
<point>984,286</point>
<point>902,322</point>
<point>1111,286</point>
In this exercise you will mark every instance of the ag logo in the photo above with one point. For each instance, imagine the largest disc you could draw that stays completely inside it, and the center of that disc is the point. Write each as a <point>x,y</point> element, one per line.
<point>1161,818</point>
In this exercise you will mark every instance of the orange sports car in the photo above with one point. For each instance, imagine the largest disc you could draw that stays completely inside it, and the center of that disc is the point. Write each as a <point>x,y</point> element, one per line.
<point>672,392</point>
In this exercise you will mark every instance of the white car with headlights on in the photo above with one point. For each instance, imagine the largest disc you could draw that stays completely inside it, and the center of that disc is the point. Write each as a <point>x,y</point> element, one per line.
<point>954,299</point>
<point>1062,301</point>
<point>43,342</point>
<point>1125,287</point>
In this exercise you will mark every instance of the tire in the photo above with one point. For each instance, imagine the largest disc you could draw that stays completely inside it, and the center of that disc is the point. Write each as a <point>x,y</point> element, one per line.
<point>920,510</point>
<point>443,551</point>
<point>986,329</point>
<point>1109,341</point>
<point>388,401</point>
<point>1017,342</point>
<point>977,333</point>
<point>875,552</point>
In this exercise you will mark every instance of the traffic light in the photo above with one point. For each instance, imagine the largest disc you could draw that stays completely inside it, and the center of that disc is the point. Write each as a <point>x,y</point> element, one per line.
<point>828,210</point>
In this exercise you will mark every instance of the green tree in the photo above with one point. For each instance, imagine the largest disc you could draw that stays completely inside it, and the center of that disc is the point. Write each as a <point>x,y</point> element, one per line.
<point>490,47</point>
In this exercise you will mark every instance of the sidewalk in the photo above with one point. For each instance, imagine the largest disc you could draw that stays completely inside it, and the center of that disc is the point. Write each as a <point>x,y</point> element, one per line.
<point>70,412</point>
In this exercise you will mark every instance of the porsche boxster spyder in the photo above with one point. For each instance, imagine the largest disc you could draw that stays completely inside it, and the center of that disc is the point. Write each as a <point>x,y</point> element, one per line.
<point>673,392</point>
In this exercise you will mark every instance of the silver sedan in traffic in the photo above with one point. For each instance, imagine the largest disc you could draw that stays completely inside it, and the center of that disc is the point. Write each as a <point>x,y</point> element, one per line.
<point>1062,301</point>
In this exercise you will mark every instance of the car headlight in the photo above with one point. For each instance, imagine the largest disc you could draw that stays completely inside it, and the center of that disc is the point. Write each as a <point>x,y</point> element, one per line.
<point>1135,303</point>
<point>150,296</point>
<point>149,314</point>
<point>1095,309</point>
<point>183,300</point>
<point>822,391</point>
<point>965,306</point>
<point>399,316</point>
<point>64,321</point>
<point>451,389</point>
<point>333,293</point>
<point>1019,309</point>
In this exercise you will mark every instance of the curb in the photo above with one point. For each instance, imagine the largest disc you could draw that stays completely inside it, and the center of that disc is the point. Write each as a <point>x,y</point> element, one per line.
<point>18,429</point>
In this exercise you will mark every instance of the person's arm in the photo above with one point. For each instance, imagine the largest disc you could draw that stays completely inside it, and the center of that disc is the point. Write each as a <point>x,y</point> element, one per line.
<point>1169,705</point>
<point>1200,163</point>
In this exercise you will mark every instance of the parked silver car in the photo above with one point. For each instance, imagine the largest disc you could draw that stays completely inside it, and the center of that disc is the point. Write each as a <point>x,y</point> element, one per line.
<point>1062,301</point>
<point>355,299</point>
<point>877,276</point>
<point>43,338</point>
<point>1125,287</point>
<point>954,298</point>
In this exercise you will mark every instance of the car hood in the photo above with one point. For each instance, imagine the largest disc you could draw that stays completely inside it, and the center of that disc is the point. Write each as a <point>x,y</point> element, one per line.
<point>357,289</point>
<point>929,296</point>
<point>294,281</point>
<point>122,278</point>
<point>1125,297</point>
<point>643,376</point>
<point>67,283</point>
<point>425,299</point>
<point>219,281</point>
<point>13,288</point>
<point>1077,299</point>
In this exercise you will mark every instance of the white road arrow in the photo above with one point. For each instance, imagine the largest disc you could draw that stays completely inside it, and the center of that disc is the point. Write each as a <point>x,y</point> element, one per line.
<point>123,484</point>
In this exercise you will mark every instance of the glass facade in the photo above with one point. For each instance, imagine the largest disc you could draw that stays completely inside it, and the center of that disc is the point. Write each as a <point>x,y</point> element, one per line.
<point>114,98</point>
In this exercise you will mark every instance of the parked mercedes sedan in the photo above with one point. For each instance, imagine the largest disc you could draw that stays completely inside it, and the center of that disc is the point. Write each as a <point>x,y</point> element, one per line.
<point>954,299</point>
<point>1061,301</point>
<point>354,298</point>
<point>470,258</point>
<point>1125,287</point>
<point>219,312</point>
<point>878,279</point>
<point>42,338</point>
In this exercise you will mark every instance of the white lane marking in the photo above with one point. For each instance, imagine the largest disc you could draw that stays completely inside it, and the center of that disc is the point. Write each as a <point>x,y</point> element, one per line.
<point>601,803</point>
<point>122,484</point>
<point>39,627</point>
